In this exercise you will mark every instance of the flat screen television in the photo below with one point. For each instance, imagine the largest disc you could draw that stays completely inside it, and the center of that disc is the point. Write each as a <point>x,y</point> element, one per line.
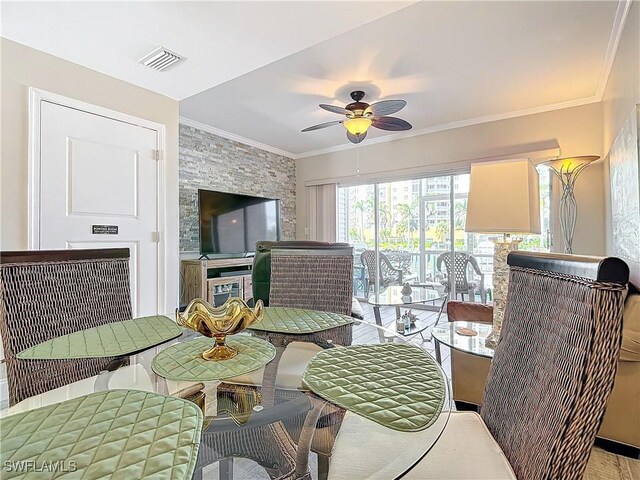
<point>232,223</point>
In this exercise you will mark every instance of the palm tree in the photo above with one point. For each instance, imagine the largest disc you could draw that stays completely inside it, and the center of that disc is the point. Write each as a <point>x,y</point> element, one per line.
<point>460,214</point>
<point>441,231</point>
<point>385,215</point>
<point>408,219</point>
<point>360,206</point>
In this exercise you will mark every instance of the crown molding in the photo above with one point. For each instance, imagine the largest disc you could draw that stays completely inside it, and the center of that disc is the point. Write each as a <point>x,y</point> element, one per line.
<point>617,29</point>
<point>237,138</point>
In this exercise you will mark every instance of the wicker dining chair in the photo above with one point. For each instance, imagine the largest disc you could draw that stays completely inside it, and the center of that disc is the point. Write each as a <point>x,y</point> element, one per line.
<point>550,378</point>
<point>46,294</point>
<point>310,275</point>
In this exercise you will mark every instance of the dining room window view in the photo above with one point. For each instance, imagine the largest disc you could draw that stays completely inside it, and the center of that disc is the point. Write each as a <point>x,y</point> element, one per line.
<point>417,226</point>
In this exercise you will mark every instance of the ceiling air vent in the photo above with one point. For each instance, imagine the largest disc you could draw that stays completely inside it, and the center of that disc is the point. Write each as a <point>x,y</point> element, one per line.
<point>160,59</point>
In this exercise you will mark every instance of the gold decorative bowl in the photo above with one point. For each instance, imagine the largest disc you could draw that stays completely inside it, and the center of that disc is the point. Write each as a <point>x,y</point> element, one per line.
<point>218,322</point>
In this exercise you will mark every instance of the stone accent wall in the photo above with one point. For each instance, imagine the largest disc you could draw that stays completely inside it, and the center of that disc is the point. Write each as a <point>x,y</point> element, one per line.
<point>210,162</point>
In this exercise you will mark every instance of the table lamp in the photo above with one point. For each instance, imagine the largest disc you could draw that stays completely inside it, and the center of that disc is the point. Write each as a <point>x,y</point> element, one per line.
<point>503,199</point>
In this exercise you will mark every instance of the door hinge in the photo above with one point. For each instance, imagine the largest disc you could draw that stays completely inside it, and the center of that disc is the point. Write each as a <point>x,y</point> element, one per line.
<point>155,237</point>
<point>156,154</point>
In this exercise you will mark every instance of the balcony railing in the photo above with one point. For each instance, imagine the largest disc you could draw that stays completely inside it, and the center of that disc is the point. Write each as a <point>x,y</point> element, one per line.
<point>409,262</point>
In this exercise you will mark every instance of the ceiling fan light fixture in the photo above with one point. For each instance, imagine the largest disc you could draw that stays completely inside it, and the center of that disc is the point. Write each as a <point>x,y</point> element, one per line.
<point>360,116</point>
<point>357,125</point>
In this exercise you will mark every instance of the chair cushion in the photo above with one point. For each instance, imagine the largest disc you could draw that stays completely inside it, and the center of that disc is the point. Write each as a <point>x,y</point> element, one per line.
<point>466,450</point>
<point>365,449</point>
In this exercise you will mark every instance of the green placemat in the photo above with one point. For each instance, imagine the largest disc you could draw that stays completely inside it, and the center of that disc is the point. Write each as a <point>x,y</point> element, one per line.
<point>110,340</point>
<point>299,320</point>
<point>398,386</point>
<point>111,434</point>
<point>183,361</point>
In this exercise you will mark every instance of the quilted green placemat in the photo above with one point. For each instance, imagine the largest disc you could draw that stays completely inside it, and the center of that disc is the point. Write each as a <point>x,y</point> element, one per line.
<point>298,320</point>
<point>110,340</point>
<point>398,386</point>
<point>183,361</point>
<point>111,434</point>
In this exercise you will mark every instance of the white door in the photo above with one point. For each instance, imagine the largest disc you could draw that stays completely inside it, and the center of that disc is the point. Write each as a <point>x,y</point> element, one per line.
<point>99,189</point>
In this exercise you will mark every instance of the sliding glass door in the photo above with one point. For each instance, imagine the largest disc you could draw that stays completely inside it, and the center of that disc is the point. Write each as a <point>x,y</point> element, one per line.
<point>414,231</point>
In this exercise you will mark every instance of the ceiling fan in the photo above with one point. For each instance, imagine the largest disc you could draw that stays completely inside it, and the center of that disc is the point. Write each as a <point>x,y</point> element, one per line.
<point>360,116</point>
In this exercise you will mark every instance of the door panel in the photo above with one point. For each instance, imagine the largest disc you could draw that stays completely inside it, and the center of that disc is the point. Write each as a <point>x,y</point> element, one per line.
<point>98,171</point>
<point>119,174</point>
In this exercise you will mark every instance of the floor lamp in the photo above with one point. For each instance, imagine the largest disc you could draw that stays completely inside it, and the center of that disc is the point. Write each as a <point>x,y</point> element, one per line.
<point>504,199</point>
<point>567,171</point>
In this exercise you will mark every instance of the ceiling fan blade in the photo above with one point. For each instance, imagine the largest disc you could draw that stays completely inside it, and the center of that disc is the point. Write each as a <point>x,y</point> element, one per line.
<point>322,125</point>
<point>356,138</point>
<point>335,109</point>
<point>391,123</point>
<point>386,107</point>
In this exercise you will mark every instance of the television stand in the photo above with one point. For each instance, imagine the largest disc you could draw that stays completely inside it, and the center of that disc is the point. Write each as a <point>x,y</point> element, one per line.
<point>215,280</point>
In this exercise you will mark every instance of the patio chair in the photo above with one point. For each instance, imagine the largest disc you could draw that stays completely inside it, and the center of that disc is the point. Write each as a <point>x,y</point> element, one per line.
<point>48,293</point>
<point>458,271</point>
<point>404,261</point>
<point>389,275</point>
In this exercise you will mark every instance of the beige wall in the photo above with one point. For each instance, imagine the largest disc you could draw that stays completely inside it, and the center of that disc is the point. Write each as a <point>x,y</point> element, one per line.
<point>620,97</point>
<point>577,130</point>
<point>24,67</point>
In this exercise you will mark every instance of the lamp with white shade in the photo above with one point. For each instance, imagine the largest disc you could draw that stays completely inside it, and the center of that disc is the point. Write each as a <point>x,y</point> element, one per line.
<point>503,199</point>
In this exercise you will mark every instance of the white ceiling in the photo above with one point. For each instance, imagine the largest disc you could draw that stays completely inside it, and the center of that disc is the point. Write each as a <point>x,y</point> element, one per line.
<point>263,67</point>
<point>221,40</point>
<point>454,62</point>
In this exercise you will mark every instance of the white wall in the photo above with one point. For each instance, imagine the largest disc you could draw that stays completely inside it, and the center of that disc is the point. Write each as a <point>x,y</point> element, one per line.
<point>577,130</point>
<point>620,97</point>
<point>24,67</point>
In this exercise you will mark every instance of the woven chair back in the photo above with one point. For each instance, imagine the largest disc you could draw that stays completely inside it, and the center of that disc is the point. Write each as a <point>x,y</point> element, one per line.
<point>313,279</point>
<point>555,364</point>
<point>46,294</point>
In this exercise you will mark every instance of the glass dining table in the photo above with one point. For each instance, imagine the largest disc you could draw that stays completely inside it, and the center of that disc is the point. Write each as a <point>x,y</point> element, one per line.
<point>267,423</point>
<point>393,297</point>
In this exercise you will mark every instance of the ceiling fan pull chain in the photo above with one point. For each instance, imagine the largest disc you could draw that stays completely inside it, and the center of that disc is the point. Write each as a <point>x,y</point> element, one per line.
<point>357,159</point>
